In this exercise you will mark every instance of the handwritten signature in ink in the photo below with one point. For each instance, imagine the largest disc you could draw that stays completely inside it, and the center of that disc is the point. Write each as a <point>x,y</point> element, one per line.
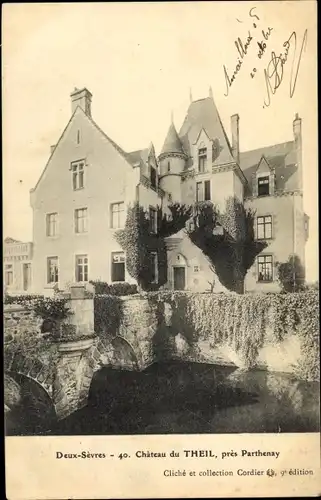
<point>274,72</point>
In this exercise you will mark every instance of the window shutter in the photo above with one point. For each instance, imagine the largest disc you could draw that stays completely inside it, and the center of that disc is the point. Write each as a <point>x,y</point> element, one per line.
<point>207,190</point>
<point>274,225</point>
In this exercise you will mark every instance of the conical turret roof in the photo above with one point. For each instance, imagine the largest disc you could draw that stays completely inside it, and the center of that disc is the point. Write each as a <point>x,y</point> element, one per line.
<point>203,114</point>
<point>172,142</point>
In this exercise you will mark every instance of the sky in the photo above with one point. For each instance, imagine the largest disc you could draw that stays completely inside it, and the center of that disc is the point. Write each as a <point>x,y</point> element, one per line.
<point>141,62</point>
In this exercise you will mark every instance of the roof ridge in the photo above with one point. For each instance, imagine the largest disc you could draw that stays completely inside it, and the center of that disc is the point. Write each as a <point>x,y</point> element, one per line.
<point>266,147</point>
<point>113,143</point>
<point>54,149</point>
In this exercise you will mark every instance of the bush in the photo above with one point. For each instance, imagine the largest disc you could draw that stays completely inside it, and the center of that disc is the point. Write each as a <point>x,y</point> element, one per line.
<point>312,286</point>
<point>23,300</point>
<point>118,289</point>
<point>54,309</point>
<point>291,274</point>
<point>108,315</point>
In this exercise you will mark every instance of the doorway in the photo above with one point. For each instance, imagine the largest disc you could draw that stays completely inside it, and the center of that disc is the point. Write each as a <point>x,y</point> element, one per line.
<point>179,274</point>
<point>26,272</point>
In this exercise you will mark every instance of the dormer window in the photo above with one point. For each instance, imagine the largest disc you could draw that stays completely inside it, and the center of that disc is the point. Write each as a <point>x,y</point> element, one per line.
<point>202,159</point>
<point>153,177</point>
<point>263,186</point>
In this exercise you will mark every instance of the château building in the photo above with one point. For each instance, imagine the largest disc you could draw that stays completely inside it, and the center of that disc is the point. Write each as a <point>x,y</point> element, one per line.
<point>17,266</point>
<point>82,196</point>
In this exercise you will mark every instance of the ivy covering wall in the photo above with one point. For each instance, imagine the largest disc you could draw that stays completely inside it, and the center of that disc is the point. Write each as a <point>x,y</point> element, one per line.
<point>243,322</point>
<point>233,252</point>
<point>140,242</point>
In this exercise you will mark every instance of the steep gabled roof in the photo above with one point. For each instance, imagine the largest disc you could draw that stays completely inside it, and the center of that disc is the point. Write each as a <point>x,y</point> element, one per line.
<point>280,157</point>
<point>263,165</point>
<point>172,142</point>
<point>203,114</point>
<point>113,143</point>
<point>138,157</point>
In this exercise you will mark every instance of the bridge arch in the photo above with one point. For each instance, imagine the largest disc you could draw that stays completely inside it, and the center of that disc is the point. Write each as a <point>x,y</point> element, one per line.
<point>33,368</point>
<point>34,411</point>
<point>124,353</point>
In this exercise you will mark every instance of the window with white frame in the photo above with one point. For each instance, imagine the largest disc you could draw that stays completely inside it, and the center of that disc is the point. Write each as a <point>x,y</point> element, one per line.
<point>202,159</point>
<point>203,191</point>
<point>52,270</point>
<point>8,274</point>
<point>265,268</point>
<point>154,267</point>
<point>81,220</point>
<point>77,169</point>
<point>117,266</point>
<point>263,186</point>
<point>152,220</point>
<point>81,268</point>
<point>52,224</point>
<point>117,211</point>
<point>264,227</point>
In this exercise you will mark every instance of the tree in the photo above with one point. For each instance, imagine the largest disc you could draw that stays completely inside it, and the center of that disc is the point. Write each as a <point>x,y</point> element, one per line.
<point>227,239</point>
<point>140,242</point>
<point>175,221</point>
<point>134,240</point>
<point>291,274</point>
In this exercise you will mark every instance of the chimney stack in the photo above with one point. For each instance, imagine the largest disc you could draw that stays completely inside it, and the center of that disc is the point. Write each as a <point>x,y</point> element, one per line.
<point>52,148</point>
<point>81,98</point>
<point>297,127</point>
<point>235,137</point>
<point>297,132</point>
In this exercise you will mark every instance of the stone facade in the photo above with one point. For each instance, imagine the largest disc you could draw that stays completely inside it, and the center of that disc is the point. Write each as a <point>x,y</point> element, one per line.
<point>89,181</point>
<point>18,321</point>
<point>17,262</point>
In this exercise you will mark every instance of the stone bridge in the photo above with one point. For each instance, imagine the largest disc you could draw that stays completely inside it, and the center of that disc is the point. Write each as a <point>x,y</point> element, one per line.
<point>51,376</point>
<point>55,374</point>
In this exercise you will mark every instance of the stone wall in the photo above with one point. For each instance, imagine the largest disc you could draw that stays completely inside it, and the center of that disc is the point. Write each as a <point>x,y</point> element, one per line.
<point>19,321</point>
<point>56,370</point>
<point>125,328</point>
<point>278,333</point>
<point>139,326</point>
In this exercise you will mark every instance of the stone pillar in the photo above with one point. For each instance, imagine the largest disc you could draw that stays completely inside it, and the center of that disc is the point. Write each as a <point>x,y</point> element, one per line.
<point>73,374</point>
<point>138,327</point>
<point>75,367</point>
<point>80,323</point>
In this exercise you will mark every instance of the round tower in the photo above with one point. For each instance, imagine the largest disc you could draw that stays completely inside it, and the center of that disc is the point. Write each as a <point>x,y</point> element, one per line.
<point>172,161</point>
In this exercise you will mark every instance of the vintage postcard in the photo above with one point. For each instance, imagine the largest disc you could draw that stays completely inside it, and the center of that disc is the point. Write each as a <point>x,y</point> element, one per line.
<point>160,250</point>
